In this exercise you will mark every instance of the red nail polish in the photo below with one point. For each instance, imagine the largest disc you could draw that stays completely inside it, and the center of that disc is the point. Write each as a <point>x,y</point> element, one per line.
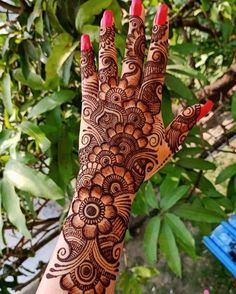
<point>107,19</point>
<point>136,8</point>
<point>161,15</point>
<point>85,43</point>
<point>205,109</point>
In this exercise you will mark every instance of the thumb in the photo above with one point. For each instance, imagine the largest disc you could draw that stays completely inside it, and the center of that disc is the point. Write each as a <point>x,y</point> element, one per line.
<point>178,129</point>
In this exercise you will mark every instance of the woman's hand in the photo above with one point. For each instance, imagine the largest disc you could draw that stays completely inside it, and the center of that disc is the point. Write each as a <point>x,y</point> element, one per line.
<point>123,115</point>
<point>123,142</point>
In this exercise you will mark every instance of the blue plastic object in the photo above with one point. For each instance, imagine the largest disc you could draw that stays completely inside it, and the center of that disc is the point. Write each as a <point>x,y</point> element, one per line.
<point>222,243</point>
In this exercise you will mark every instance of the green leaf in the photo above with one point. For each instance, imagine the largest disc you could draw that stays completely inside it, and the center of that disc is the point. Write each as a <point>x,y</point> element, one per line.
<point>195,163</point>
<point>150,195</point>
<point>145,272</point>
<point>88,10</point>
<point>231,189</point>
<point>225,202</point>
<point>181,232</point>
<point>34,14</point>
<point>233,106</point>
<point>65,152</point>
<point>170,200</point>
<point>8,139</point>
<point>202,182</point>
<point>169,248</point>
<point>211,204</point>
<point>185,70</point>
<point>63,48</point>
<point>227,29</point>
<point>11,203</point>
<point>189,151</point>
<point>197,213</point>
<point>213,193</point>
<point>177,86</point>
<point>150,239</point>
<point>139,206</point>
<point>185,48</point>
<point>227,173</point>
<point>32,181</point>
<point>6,93</point>
<point>67,70</point>
<point>169,184</point>
<point>33,80</point>
<point>51,9</point>
<point>35,132</point>
<point>52,101</point>
<point>166,107</point>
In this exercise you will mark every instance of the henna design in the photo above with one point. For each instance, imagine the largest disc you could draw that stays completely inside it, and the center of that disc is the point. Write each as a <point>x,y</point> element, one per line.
<point>87,64</point>
<point>176,133</point>
<point>107,55</point>
<point>122,143</point>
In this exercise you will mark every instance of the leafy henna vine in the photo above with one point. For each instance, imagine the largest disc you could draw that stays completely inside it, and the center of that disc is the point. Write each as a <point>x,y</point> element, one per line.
<point>122,143</point>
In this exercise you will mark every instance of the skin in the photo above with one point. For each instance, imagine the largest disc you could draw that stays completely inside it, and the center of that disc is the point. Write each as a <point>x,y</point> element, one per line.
<point>123,142</point>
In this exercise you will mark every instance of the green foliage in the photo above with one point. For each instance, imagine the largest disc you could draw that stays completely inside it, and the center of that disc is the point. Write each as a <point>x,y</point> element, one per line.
<point>11,204</point>
<point>40,113</point>
<point>132,281</point>
<point>32,181</point>
<point>169,249</point>
<point>227,173</point>
<point>150,239</point>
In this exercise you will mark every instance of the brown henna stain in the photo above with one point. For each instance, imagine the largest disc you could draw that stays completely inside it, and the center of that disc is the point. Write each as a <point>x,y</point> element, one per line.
<point>119,146</point>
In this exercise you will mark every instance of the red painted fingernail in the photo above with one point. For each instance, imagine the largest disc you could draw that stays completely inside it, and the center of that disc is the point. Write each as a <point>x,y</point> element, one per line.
<point>161,15</point>
<point>136,8</point>
<point>85,43</point>
<point>205,109</point>
<point>107,19</point>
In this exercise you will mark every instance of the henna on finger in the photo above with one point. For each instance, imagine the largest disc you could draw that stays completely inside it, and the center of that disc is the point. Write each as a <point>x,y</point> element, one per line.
<point>151,90</point>
<point>135,46</point>
<point>107,51</point>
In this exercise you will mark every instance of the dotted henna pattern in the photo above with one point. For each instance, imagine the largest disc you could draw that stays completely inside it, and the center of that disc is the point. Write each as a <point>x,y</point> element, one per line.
<point>122,143</point>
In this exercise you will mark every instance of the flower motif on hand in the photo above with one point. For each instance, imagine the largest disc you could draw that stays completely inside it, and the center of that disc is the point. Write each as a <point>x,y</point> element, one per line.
<point>116,93</point>
<point>93,212</point>
<point>105,155</point>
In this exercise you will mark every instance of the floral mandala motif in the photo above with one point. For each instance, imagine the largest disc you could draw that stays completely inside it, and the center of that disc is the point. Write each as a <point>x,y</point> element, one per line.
<point>93,212</point>
<point>116,92</point>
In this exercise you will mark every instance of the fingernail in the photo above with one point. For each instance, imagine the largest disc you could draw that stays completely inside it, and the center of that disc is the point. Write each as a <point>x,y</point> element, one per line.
<point>205,109</point>
<point>161,15</point>
<point>107,19</point>
<point>136,8</point>
<point>85,43</point>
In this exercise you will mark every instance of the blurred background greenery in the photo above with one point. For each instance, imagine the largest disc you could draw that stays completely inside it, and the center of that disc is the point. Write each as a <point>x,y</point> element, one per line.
<point>39,122</point>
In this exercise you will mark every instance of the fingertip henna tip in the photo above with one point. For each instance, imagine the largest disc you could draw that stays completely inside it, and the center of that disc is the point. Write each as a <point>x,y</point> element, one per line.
<point>107,19</point>
<point>85,43</point>
<point>161,15</point>
<point>136,8</point>
<point>205,109</point>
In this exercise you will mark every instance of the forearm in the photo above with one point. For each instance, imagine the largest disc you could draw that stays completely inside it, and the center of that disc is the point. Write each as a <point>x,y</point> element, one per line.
<point>87,254</point>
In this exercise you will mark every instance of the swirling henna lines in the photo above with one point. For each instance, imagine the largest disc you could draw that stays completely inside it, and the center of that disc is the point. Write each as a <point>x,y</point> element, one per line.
<point>88,69</point>
<point>151,90</point>
<point>176,132</point>
<point>107,50</point>
<point>134,53</point>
